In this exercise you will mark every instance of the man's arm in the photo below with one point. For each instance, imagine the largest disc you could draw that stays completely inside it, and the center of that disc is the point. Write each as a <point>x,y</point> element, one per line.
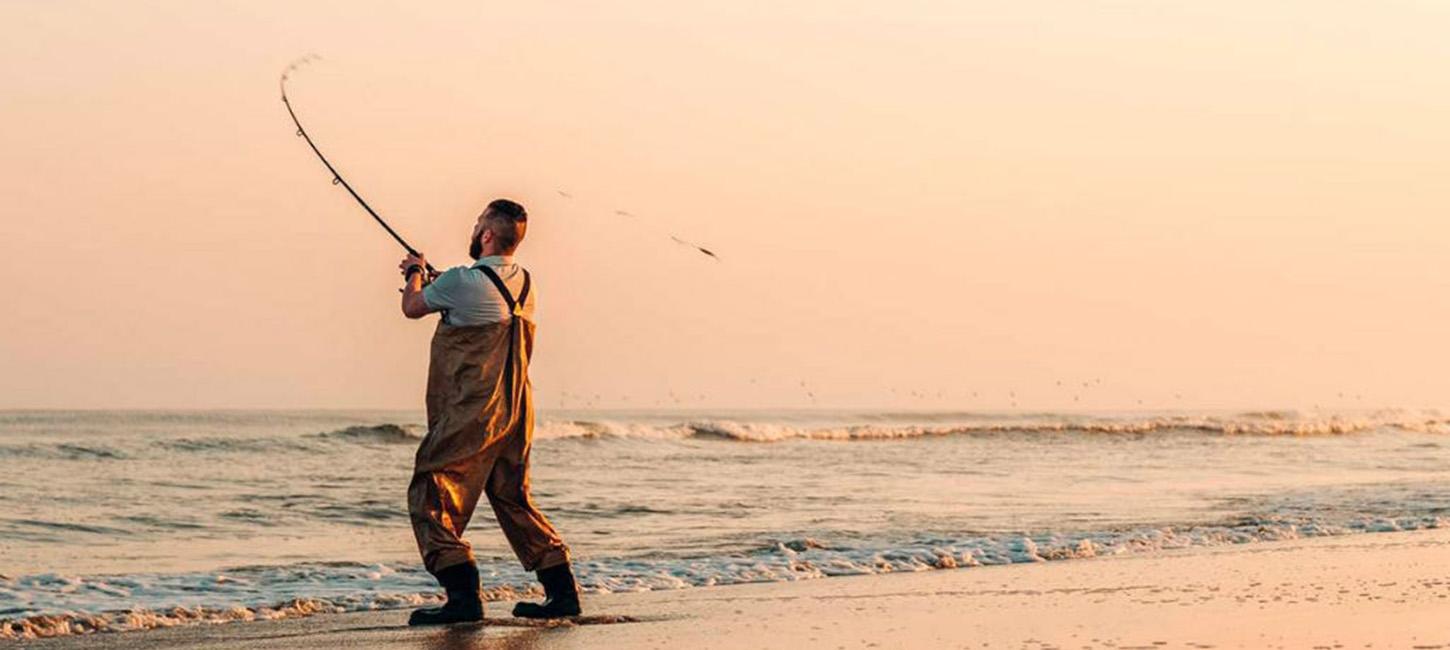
<point>414,305</point>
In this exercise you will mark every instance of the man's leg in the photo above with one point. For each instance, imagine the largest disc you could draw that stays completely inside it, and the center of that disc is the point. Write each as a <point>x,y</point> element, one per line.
<point>534,540</point>
<point>440,504</point>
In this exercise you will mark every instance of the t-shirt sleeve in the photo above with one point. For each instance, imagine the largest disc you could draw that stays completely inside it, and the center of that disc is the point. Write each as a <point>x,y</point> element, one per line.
<point>443,293</point>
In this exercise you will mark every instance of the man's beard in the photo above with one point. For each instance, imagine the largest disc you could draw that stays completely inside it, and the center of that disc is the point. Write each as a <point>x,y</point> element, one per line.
<point>475,248</point>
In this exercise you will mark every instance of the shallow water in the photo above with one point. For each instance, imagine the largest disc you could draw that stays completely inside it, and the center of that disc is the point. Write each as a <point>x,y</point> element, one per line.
<point>258,514</point>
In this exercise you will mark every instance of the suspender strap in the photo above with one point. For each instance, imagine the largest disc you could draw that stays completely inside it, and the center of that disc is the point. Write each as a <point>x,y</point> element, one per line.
<point>503,289</point>
<point>524,294</point>
<point>514,308</point>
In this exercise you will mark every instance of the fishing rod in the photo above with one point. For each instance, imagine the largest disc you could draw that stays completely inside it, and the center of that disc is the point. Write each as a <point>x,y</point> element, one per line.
<point>337,178</point>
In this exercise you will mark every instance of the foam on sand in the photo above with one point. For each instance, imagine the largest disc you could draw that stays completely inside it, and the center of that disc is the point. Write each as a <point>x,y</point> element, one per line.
<point>57,605</point>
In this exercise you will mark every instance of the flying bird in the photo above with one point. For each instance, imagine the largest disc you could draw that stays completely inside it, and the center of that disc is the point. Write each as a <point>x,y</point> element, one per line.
<point>697,247</point>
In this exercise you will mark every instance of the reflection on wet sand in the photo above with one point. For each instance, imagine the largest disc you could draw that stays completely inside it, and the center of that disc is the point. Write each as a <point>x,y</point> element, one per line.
<point>524,635</point>
<point>471,637</point>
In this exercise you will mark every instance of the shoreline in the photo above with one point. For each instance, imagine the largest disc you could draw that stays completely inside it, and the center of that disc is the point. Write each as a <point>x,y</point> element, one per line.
<point>1375,590</point>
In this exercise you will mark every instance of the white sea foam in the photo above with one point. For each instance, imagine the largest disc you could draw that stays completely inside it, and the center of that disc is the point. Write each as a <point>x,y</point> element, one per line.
<point>57,605</point>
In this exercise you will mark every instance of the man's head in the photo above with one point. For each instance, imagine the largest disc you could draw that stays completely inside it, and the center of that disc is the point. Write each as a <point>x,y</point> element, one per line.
<point>499,229</point>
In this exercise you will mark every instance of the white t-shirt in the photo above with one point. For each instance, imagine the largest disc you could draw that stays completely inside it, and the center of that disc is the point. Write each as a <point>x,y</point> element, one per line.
<point>470,298</point>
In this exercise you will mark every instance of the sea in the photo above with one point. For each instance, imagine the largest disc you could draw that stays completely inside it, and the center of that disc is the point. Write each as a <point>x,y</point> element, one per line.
<point>127,520</point>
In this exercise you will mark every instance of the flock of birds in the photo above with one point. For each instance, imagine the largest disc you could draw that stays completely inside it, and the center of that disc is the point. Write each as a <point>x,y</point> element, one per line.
<point>673,398</point>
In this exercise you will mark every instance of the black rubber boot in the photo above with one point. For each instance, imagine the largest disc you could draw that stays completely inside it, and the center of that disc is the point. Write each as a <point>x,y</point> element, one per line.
<point>465,602</point>
<point>561,595</point>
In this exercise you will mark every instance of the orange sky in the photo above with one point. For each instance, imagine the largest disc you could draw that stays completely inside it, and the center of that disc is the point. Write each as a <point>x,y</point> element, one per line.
<point>1183,204</point>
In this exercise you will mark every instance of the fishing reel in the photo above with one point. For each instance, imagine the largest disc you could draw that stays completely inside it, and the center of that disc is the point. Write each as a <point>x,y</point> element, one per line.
<point>429,274</point>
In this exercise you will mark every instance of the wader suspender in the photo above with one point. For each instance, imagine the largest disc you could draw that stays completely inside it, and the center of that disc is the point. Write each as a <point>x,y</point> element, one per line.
<point>514,308</point>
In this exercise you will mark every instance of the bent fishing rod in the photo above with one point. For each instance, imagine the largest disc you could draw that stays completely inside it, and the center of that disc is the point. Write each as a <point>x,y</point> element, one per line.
<point>337,178</point>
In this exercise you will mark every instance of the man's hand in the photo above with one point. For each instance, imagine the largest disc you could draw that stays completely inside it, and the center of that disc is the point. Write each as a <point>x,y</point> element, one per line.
<point>415,273</point>
<point>412,261</point>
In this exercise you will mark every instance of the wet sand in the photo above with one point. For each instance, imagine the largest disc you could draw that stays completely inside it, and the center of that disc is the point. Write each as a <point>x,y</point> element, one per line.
<point>1389,590</point>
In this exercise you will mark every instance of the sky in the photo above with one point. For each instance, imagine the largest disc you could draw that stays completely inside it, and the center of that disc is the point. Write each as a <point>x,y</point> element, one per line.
<point>959,205</point>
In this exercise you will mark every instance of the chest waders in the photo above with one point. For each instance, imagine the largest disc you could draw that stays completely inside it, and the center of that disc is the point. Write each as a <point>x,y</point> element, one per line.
<point>480,425</point>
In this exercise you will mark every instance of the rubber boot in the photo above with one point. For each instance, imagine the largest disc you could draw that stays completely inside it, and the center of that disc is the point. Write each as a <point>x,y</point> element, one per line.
<point>561,595</point>
<point>465,602</point>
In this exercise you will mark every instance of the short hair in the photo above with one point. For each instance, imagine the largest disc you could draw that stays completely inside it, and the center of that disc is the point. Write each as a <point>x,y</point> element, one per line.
<point>508,221</point>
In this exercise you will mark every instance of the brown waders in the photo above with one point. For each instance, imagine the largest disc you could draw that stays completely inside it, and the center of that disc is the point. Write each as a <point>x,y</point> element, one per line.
<point>480,425</point>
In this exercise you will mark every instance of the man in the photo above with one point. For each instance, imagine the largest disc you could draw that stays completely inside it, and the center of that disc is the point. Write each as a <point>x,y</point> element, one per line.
<point>480,422</point>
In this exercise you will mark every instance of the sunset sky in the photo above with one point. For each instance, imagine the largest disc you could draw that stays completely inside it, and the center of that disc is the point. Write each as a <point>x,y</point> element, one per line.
<point>1157,204</point>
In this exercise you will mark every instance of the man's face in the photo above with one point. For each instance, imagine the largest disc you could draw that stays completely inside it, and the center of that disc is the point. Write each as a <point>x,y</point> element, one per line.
<point>475,243</point>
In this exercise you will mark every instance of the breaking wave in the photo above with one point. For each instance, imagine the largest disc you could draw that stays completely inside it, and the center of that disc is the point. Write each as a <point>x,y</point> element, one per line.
<point>393,434</point>
<point>1248,424</point>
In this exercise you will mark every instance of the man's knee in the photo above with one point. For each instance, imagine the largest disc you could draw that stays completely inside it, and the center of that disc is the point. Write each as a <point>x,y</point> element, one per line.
<point>506,485</point>
<point>422,499</point>
<point>507,497</point>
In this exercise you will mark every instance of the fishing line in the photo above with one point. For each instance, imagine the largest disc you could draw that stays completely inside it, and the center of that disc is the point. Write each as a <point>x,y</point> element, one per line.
<point>337,178</point>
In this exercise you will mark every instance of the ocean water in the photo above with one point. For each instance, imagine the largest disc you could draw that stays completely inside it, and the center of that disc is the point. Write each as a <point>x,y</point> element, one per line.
<point>115,521</point>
